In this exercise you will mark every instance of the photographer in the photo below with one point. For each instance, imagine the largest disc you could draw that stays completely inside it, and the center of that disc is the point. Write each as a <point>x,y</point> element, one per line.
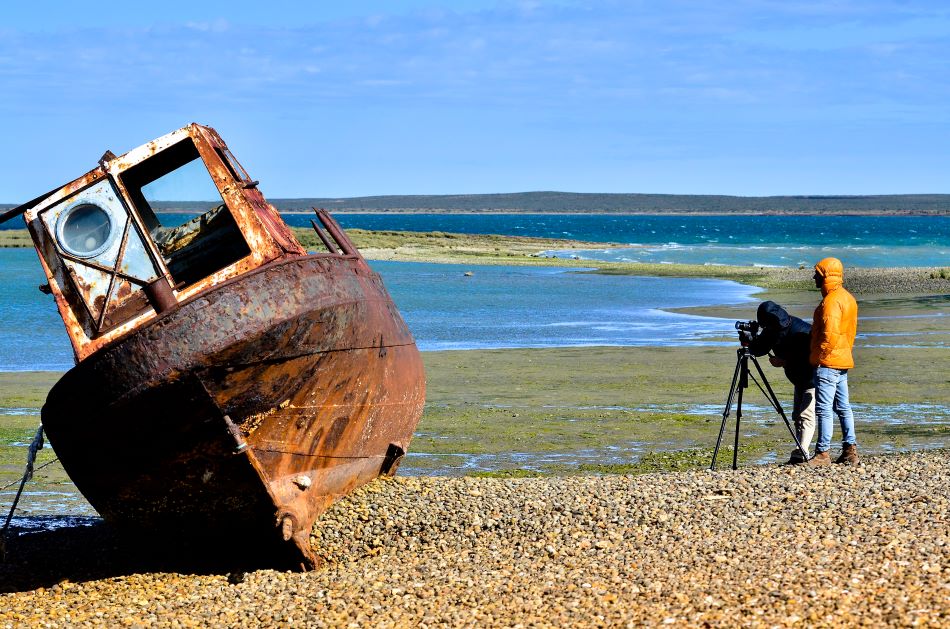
<point>788,338</point>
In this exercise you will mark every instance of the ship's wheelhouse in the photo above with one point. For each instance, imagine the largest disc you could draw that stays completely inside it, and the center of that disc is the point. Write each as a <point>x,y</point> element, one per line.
<point>113,258</point>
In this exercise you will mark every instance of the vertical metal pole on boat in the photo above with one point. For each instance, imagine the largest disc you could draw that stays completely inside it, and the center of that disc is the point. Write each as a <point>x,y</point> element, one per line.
<point>160,295</point>
<point>239,443</point>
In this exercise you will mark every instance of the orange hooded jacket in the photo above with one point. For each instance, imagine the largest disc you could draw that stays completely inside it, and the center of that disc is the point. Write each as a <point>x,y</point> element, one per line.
<point>836,319</point>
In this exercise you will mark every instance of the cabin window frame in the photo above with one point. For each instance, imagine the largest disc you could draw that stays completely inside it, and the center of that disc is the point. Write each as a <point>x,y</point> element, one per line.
<point>99,323</point>
<point>137,176</point>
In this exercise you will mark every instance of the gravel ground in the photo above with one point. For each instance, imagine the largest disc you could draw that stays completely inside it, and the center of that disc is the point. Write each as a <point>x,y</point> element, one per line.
<point>876,281</point>
<point>764,546</point>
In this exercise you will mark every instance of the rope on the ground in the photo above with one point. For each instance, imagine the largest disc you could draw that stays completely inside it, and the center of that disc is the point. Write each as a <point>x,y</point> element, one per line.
<point>35,446</point>
<point>45,465</point>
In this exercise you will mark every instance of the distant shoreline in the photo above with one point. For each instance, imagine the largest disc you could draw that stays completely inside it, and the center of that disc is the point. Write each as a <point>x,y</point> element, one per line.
<point>607,213</point>
<point>502,212</point>
<point>634,204</point>
<point>553,202</point>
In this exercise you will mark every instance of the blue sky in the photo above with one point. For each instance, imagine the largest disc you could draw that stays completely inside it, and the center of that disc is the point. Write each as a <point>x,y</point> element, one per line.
<point>750,97</point>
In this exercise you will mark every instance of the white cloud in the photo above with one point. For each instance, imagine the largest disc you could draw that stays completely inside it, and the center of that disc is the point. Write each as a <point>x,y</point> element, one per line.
<point>220,25</point>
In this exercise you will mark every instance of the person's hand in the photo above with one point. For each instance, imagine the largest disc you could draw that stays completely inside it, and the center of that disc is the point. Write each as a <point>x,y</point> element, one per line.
<point>776,362</point>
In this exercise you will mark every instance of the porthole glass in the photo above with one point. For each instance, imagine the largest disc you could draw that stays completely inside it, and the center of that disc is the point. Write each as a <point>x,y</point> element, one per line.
<point>85,230</point>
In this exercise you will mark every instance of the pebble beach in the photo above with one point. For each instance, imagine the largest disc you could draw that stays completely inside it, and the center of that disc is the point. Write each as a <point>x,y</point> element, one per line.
<point>762,546</point>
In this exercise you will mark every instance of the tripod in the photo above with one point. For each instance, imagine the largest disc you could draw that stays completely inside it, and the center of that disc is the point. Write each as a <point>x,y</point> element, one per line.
<point>740,381</point>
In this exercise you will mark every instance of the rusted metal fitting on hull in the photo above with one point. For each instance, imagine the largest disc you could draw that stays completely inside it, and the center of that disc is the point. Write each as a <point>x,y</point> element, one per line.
<point>394,456</point>
<point>288,524</point>
<point>160,296</point>
<point>239,444</point>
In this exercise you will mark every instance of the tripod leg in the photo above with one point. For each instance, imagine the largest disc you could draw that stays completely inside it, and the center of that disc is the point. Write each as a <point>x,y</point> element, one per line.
<point>725,413</point>
<point>778,407</point>
<point>743,382</point>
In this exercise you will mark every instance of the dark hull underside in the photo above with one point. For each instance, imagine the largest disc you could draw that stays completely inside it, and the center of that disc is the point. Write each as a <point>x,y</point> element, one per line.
<point>307,356</point>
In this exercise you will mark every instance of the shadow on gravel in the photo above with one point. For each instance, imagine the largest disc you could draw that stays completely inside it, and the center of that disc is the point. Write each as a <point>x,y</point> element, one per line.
<point>41,557</point>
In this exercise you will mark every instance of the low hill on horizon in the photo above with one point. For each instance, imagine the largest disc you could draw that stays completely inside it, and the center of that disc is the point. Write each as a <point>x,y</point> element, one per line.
<point>612,203</point>
<point>554,202</point>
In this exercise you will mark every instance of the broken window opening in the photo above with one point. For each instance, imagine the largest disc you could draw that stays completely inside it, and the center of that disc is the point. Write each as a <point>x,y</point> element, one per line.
<point>177,179</point>
<point>234,167</point>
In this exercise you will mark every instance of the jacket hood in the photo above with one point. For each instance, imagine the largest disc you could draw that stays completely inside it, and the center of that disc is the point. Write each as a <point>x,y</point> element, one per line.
<point>832,272</point>
<point>772,316</point>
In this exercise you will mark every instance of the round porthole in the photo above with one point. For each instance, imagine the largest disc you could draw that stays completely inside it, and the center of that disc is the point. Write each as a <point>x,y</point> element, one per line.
<point>85,229</point>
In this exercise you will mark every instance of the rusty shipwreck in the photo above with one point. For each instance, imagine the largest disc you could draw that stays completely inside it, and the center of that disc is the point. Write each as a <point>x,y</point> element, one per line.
<point>225,379</point>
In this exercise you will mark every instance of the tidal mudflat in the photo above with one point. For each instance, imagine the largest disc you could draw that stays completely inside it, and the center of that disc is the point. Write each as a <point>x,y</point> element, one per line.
<point>633,410</point>
<point>593,410</point>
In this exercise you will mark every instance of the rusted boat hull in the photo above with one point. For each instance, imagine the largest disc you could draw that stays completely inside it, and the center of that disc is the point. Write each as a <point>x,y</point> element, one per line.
<point>250,407</point>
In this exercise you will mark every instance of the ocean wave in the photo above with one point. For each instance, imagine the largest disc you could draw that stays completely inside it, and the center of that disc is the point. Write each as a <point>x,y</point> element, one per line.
<point>762,254</point>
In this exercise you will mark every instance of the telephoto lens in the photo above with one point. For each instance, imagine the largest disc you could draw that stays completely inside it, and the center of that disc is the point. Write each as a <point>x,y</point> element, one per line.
<point>747,326</point>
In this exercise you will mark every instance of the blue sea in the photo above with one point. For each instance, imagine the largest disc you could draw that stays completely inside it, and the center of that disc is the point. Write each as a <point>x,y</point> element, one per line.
<point>494,307</point>
<point>866,241</point>
<point>499,307</point>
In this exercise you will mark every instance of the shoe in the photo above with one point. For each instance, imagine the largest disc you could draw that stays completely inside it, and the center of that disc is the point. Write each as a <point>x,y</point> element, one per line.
<point>796,458</point>
<point>849,454</point>
<point>820,459</point>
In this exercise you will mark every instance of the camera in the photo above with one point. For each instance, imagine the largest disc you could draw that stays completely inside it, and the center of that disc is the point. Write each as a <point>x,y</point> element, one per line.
<point>747,331</point>
<point>748,326</point>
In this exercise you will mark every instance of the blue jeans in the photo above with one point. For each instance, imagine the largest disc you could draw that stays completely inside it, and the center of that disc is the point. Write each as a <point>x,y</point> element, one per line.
<point>831,397</point>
